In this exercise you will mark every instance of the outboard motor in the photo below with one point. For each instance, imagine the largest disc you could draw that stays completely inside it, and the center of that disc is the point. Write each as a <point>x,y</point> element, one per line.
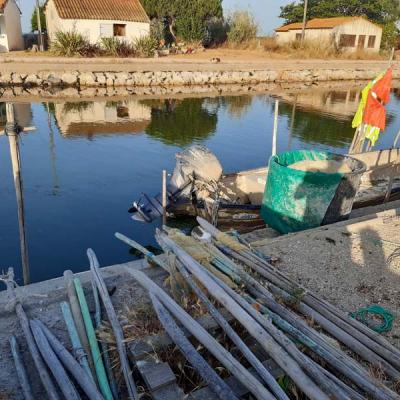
<point>194,163</point>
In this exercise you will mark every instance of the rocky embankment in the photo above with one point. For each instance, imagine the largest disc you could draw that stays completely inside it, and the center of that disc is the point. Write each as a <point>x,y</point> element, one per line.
<point>103,79</point>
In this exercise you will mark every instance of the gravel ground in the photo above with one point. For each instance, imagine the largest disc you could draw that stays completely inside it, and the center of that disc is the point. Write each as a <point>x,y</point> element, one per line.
<point>352,266</point>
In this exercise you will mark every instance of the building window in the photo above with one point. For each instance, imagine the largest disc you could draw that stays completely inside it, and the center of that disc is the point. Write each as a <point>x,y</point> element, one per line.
<point>361,41</point>
<point>298,36</point>
<point>371,42</point>
<point>347,40</point>
<point>119,30</point>
<point>106,30</point>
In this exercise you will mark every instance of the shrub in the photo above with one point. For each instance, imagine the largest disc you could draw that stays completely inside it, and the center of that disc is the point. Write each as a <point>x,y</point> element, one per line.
<point>68,43</point>
<point>157,30</point>
<point>215,32</point>
<point>145,46</point>
<point>390,34</point>
<point>115,47</point>
<point>242,27</point>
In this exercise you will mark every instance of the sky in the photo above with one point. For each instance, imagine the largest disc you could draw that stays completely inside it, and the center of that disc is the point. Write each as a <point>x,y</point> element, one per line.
<point>265,11</point>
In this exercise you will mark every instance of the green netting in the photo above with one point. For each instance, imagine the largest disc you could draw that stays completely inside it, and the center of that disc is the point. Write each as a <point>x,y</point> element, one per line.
<point>296,200</point>
<point>365,315</point>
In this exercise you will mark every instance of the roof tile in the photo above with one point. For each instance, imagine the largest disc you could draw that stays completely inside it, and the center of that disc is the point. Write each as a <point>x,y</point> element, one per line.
<point>318,23</point>
<point>116,10</point>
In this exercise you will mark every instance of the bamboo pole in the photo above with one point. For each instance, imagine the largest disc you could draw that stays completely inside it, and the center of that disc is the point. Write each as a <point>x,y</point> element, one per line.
<point>270,273</point>
<point>78,319</point>
<point>210,377</point>
<point>12,133</point>
<point>268,342</point>
<point>20,368</point>
<point>33,349</point>
<point>251,358</point>
<point>219,352</point>
<point>116,326</point>
<point>84,380</point>
<point>79,351</point>
<point>303,30</point>
<point>56,368</point>
<point>94,346</point>
<point>103,346</point>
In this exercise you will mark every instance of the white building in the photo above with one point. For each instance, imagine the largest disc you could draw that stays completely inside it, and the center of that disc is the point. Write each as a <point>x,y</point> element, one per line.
<point>125,19</point>
<point>347,33</point>
<point>10,27</point>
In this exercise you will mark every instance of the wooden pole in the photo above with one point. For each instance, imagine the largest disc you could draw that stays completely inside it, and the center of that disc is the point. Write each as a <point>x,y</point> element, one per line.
<point>116,326</point>
<point>164,196</point>
<point>303,31</point>
<point>213,380</point>
<point>219,352</point>
<point>60,375</point>
<point>275,131</point>
<point>39,24</point>
<point>12,133</point>
<point>20,368</point>
<point>269,343</point>
<point>82,377</point>
<point>44,376</point>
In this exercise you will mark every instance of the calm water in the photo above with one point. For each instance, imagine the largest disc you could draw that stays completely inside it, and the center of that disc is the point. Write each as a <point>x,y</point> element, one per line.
<point>87,161</point>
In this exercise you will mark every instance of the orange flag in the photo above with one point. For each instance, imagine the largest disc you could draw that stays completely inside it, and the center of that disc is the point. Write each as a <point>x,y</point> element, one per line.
<point>378,97</point>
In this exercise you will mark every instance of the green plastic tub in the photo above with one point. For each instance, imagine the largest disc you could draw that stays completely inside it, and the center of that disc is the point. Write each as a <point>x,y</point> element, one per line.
<point>296,200</point>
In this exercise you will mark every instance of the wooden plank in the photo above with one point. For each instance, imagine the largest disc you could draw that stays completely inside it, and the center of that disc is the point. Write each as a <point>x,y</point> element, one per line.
<point>159,379</point>
<point>206,394</point>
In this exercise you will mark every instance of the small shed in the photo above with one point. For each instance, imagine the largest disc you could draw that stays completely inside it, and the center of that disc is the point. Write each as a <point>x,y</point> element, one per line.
<point>10,27</point>
<point>95,19</point>
<point>347,33</point>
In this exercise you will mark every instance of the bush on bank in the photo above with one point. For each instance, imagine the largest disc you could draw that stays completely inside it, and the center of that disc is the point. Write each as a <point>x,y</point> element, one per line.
<point>72,43</point>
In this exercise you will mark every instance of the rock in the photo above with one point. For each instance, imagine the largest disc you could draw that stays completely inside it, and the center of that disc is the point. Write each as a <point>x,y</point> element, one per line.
<point>32,80</point>
<point>52,81</point>
<point>16,79</point>
<point>70,78</point>
<point>100,78</point>
<point>121,78</point>
<point>110,78</point>
<point>87,79</point>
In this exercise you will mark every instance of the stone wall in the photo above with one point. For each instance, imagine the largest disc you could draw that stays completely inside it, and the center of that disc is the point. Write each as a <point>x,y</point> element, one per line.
<point>182,78</point>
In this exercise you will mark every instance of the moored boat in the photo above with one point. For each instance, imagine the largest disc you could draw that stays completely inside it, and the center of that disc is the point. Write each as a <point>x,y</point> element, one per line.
<point>233,201</point>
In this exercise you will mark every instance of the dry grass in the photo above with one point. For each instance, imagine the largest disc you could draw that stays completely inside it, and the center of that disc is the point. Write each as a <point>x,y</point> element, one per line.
<point>310,50</point>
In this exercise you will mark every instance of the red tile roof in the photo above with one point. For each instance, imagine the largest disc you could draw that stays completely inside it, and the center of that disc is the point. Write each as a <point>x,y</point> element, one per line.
<point>318,23</point>
<point>116,10</point>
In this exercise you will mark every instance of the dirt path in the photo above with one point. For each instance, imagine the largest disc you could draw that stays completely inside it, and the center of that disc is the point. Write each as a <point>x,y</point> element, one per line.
<point>233,60</point>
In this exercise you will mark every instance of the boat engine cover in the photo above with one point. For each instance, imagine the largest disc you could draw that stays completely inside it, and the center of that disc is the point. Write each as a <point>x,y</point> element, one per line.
<point>196,161</point>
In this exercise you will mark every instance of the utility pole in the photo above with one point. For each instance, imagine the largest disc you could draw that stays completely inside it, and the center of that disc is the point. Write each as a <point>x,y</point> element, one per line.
<point>39,25</point>
<point>303,32</point>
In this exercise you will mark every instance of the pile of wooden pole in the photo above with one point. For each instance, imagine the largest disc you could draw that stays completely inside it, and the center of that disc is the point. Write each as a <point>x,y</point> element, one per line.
<point>87,369</point>
<point>320,368</point>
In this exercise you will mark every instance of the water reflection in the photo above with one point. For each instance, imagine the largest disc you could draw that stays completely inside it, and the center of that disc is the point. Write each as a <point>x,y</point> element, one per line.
<point>180,122</point>
<point>89,118</point>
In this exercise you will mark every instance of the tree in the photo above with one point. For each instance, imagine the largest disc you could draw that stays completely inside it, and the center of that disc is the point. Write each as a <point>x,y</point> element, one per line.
<point>185,18</point>
<point>379,11</point>
<point>34,24</point>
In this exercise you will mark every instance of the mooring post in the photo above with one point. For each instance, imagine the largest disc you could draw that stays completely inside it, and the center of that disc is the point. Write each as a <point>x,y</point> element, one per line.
<point>164,196</point>
<point>275,131</point>
<point>12,131</point>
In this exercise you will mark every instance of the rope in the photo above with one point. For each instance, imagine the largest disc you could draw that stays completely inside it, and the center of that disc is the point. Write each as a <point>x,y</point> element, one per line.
<point>364,315</point>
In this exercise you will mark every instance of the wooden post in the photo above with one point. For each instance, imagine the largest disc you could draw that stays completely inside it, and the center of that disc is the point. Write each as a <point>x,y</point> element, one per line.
<point>164,196</point>
<point>12,133</point>
<point>303,31</point>
<point>275,131</point>
<point>39,25</point>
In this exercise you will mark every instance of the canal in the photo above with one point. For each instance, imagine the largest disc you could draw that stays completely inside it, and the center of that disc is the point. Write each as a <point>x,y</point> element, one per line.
<point>88,160</point>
